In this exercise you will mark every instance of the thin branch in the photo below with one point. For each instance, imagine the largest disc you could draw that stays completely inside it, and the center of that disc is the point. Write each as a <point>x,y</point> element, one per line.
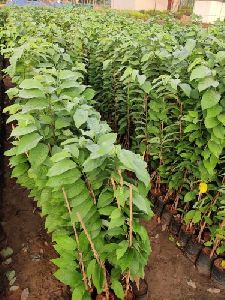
<point>101,264</point>
<point>121,177</point>
<point>114,189</point>
<point>90,190</point>
<point>131,216</point>
<point>77,240</point>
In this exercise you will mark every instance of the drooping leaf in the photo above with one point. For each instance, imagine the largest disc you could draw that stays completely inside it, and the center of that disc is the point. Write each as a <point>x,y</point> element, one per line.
<point>200,72</point>
<point>38,154</point>
<point>61,167</point>
<point>210,98</point>
<point>80,117</point>
<point>28,142</point>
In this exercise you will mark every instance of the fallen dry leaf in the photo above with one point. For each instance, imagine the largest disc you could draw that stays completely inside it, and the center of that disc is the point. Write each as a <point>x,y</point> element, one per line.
<point>14,288</point>
<point>25,294</point>
<point>191,284</point>
<point>213,291</point>
<point>164,227</point>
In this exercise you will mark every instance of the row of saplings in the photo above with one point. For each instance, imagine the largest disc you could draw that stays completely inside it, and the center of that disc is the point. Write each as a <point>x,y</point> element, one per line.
<point>191,239</point>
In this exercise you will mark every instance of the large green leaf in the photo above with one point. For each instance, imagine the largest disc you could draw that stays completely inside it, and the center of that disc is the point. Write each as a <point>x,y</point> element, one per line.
<point>19,130</point>
<point>72,278</point>
<point>210,98</point>
<point>118,289</point>
<point>134,162</point>
<point>66,242</point>
<point>32,93</point>
<point>28,142</point>
<point>38,155</point>
<point>143,204</point>
<point>200,72</point>
<point>61,167</point>
<point>31,84</point>
<point>80,117</point>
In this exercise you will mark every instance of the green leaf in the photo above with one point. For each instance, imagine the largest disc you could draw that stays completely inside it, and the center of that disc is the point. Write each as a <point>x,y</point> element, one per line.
<point>116,219</point>
<point>141,79</point>
<point>28,142</point>
<point>197,217</point>
<point>210,98</point>
<point>206,83</point>
<point>20,169</point>
<point>79,293</point>
<point>118,289</point>
<point>189,196</point>
<point>60,156</point>
<point>220,56</point>
<point>67,74</point>
<point>80,117</point>
<point>91,164</point>
<point>211,122</point>
<point>105,198</point>
<point>122,249</point>
<point>31,84</point>
<point>219,132</point>
<point>186,89</point>
<point>200,72</point>
<point>214,148</point>
<point>38,155</point>
<point>91,268</point>
<point>221,118</point>
<point>35,104</point>
<point>65,261</point>
<point>214,111</point>
<point>19,130</point>
<point>188,216</point>
<point>98,278</point>
<point>62,123</point>
<point>146,86</point>
<point>106,211</point>
<point>134,162</point>
<point>108,138</point>
<point>143,204</point>
<point>89,94</point>
<point>66,242</point>
<point>32,93</point>
<point>73,149</point>
<point>61,167</point>
<point>12,109</point>
<point>69,277</point>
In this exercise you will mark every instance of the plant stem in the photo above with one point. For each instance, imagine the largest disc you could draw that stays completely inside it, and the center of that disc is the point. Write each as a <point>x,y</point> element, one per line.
<point>101,264</point>
<point>131,216</point>
<point>81,263</point>
<point>114,189</point>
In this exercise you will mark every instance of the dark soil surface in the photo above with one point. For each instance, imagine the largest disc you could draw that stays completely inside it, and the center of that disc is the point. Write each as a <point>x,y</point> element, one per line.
<point>171,276</point>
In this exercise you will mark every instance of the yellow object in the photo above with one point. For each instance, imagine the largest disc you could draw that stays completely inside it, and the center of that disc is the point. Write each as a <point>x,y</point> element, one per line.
<point>223,263</point>
<point>203,187</point>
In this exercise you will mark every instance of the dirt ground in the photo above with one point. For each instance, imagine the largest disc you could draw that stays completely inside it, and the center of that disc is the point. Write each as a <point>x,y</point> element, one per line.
<point>170,275</point>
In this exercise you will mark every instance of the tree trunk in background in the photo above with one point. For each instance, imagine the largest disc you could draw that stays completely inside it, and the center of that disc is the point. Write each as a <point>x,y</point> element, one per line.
<point>170,4</point>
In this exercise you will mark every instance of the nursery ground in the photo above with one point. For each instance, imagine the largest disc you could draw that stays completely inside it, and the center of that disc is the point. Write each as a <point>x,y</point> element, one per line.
<point>169,273</point>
